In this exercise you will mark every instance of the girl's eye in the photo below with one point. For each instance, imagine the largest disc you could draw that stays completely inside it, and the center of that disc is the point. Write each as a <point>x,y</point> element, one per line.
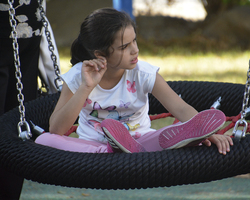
<point>124,47</point>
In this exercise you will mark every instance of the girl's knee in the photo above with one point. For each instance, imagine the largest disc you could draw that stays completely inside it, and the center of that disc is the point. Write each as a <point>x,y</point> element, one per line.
<point>47,138</point>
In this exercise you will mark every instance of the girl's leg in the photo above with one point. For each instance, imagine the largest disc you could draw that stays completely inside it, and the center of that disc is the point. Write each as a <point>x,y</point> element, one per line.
<point>119,137</point>
<point>189,133</point>
<point>192,132</point>
<point>150,140</point>
<point>71,144</point>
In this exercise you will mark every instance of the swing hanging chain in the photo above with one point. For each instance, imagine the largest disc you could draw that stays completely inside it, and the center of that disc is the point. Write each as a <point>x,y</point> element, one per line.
<point>246,95</point>
<point>18,73</point>
<point>19,86</point>
<point>50,46</point>
<point>245,110</point>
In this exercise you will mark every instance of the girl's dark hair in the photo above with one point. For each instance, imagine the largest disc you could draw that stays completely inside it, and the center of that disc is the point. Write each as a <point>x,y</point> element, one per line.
<point>98,32</point>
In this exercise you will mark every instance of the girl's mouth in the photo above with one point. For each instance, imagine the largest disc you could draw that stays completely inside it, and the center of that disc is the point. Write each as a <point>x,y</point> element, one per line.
<point>134,61</point>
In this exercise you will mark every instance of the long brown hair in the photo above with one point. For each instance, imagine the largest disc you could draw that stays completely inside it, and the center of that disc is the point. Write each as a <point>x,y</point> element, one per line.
<point>98,32</point>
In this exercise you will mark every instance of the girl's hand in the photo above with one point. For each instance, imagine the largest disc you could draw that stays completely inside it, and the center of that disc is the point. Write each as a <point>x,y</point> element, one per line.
<point>93,70</point>
<point>222,142</point>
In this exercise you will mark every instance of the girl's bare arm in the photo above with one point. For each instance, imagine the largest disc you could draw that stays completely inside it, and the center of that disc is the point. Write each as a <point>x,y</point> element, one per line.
<point>171,101</point>
<point>67,109</point>
<point>183,112</point>
<point>69,105</point>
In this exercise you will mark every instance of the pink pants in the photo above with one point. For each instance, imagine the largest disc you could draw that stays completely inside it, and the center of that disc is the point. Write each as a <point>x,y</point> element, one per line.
<point>149,141</point>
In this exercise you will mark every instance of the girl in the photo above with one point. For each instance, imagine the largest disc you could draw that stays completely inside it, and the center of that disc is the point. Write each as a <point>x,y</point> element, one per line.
<point>108,89</point>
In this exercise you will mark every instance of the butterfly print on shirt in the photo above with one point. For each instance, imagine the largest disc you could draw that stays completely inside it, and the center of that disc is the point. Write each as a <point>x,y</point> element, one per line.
<point>131,86</point>
<point>124,105</point>
<point>88,101</point>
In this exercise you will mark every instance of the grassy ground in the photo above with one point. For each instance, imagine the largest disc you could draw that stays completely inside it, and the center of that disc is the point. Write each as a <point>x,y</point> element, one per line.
<point>224,67</point>
<point>227,189</point>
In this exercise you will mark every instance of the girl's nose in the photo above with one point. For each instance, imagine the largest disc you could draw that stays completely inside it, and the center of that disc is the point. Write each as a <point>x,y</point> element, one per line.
<point>135,48</point>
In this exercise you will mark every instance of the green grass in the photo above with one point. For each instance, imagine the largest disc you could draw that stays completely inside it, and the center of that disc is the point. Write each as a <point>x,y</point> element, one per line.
<point>225,67</point>
<point>230,66</point>
<point>181,64</point>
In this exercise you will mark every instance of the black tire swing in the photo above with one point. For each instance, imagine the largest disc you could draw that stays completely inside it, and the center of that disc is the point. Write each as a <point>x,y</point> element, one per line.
<point>120,170</point>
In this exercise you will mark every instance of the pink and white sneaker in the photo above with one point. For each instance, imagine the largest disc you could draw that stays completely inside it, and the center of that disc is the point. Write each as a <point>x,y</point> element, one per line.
<point>194,131</point>
<point>114,149</point>
<point>119,137</point>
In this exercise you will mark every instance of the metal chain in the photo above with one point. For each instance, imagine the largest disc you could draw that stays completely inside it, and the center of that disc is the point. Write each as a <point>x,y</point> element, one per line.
<point>245,110</point>
<point>246,95</point>
<point>19,86</point>
<point>50,46</point>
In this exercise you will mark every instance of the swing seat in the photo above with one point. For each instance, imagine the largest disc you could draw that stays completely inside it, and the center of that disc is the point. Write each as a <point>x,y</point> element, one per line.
<point>121,170</point>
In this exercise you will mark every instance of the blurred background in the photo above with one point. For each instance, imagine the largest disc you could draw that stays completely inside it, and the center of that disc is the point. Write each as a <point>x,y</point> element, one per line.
<point>188,39</point>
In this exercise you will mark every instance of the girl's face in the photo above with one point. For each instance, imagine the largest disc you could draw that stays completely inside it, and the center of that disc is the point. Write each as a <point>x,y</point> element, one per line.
<point>124,51</point>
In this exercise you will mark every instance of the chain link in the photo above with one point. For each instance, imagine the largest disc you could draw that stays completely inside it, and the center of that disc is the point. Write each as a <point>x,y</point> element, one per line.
<point>238,134</point>
<point>18,74</point>
<point>20,97</point>
<point>50,46</point>
<point>246,95</point>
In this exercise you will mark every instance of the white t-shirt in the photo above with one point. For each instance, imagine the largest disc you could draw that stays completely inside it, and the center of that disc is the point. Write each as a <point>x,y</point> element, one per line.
<point>127,102</point>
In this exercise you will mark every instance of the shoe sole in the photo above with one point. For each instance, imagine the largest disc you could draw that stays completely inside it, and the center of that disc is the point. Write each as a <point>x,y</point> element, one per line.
<point>119,135</point>
<point>198,128</point>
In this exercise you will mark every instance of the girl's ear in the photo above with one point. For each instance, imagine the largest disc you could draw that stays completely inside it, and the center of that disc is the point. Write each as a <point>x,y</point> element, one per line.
<point>98,53</point>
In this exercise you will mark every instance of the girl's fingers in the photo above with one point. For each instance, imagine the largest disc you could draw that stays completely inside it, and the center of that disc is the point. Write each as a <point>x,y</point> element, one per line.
<point>230,140</point>
<point>94,64</point>
<point>222,142</point>
<point>88,62</point>
<point>207,142</point>
<point>219,145</point>
<point>98,63</point>
<point>224,145</point>
<point>226,142</point>
<point>103,62</point>
<point>103,59</point>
